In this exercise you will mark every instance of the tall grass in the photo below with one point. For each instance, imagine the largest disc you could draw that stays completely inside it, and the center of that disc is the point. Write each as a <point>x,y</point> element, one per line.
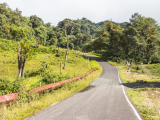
<point>147,102</point>
<point>145,99</point>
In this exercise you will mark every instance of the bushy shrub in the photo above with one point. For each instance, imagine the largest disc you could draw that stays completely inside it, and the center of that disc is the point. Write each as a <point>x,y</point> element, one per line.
<point>54,51</point>
<point>42,49</point>
<point>67,76</point>
<point>155,59</point>
<point>31,73</point>
<point>7,45</point>
<point>60,53</point>
<point>18,85</point>
<point>137,59</point>
<point>145,61</point>
<point>50,77</point>
<point>7,87</point>
<point>77,48</point>
<point>136,67</point>
<point>37,84</point>
<point>27,97</point>
<point>117,59</point>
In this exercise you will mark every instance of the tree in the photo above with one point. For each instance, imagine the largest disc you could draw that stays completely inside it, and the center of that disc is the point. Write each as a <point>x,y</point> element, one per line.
<point>42,34</point>
<point>23,49</point>
<point>53,41</point>
<point>109,38</point>
<point>67,22</point>
<point>71,45</point>
<point>144,35</point>
<point>79,37</point>
<point>24,52</point>
<point>6,30</point>
<point>36,21</point>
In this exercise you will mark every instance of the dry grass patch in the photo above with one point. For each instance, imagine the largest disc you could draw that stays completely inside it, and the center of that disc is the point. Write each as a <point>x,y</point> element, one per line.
<point>146,98</point>
<point>147,101</point>
<point>131,75</point>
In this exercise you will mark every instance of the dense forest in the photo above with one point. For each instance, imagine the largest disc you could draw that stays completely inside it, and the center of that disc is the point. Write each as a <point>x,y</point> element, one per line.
<point>79,31</point>
<point>138,39</point>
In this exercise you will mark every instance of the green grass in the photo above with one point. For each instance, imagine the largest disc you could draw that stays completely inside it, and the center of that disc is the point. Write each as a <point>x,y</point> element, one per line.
<point>76,64</point>
<point>146,101</point>
<point>154,68</point>
<point>20,110</point>
<point>115,64</point>
<point>133,75</point>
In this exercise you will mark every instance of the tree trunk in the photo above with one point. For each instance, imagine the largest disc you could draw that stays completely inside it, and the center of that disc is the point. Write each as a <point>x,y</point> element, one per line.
<point>20,66</point>
<point>19,61</point>
<point>19,74</point>
<point>66,51</point>
<point>134,51</point>
<point>65,60</point>
<point>22,73</point>
<point>148,55</point>
<point>143,53</point>
<point>138,51</point>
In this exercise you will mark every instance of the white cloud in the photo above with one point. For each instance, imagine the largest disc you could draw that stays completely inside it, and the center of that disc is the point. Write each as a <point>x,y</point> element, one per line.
<point>96,10</point>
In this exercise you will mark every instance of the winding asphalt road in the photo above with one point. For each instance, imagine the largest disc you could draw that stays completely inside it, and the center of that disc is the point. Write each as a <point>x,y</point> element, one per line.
<point>102,100</point>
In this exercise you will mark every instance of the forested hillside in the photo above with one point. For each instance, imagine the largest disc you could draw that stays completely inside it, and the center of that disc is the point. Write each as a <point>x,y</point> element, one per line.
<point>138,41</point>
<point>12,23</point>
<point>79,31</point>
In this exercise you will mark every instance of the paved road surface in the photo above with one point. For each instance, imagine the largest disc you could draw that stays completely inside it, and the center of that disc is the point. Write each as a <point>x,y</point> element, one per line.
<point>102,100</point>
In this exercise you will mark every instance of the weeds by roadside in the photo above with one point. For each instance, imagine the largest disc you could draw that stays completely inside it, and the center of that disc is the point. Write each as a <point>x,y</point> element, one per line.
<point>146,96</point>
<point>146,101</point>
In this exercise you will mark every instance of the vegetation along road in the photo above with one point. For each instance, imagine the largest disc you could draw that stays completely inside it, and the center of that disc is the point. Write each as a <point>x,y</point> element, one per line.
<point>103,99</point>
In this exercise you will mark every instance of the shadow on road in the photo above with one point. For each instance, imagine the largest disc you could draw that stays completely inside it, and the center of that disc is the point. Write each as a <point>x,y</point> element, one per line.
<point>87,88</point>
<point>142,85</point>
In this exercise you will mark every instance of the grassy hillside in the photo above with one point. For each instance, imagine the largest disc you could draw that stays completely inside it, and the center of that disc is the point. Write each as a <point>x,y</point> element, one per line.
<point>43,56</point>
<point>29,104</point>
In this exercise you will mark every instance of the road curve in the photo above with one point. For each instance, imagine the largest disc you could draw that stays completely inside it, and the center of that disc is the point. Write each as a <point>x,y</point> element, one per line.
<point>102,100</point>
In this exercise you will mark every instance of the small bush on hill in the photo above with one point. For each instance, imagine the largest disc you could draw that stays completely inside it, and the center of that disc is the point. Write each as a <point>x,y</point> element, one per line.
<point>137,67</point>
<point>50,77</point>
<point>117,59</point>
<point>31,73</point>
<point>7,87</point>
<point>60,53</point>
<point>155,59</point>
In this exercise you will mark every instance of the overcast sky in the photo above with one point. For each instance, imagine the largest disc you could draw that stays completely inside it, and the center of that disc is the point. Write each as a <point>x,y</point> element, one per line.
<point>95,10</point>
